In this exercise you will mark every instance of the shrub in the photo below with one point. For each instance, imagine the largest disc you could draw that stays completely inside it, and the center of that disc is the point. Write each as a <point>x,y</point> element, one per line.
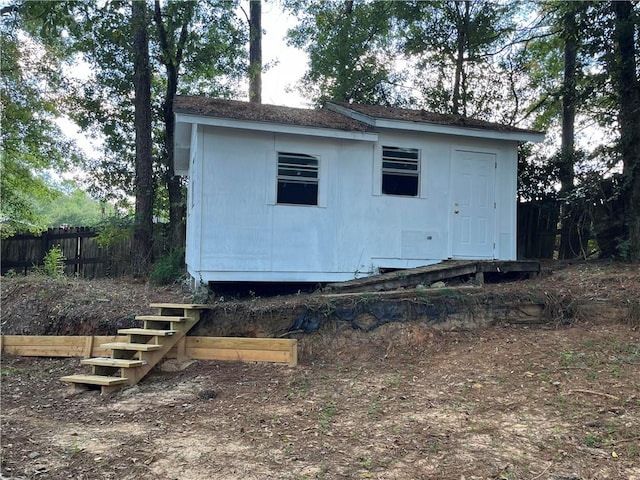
<point>54,262</point>
<point>168,268</point>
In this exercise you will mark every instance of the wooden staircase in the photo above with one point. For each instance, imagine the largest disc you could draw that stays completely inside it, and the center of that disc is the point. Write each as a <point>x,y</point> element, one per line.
<point>130,361</point>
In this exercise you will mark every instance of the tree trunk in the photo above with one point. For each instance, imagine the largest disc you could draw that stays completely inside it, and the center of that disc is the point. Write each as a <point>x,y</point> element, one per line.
<point>177,206</point>
<point>627,87</point>
<point>142,246</point>
<point>462,26</point>
<point>569,244</point>
<point>171,58</point>
<point>255,51</point>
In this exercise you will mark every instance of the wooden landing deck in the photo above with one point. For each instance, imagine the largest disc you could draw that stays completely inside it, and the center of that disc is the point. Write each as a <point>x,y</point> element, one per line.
<point>447,270</point>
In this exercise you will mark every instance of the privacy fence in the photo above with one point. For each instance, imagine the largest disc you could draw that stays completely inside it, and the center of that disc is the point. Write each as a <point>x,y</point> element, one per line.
<point>537,229</point>
<point>84,255</point>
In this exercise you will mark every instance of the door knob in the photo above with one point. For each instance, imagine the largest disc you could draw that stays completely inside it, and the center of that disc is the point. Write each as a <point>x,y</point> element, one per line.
<point>456,211</point>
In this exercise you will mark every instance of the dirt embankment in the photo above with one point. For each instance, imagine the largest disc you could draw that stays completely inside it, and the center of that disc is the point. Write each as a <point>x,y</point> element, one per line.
<point>563,293</point>
<point>403,399</point>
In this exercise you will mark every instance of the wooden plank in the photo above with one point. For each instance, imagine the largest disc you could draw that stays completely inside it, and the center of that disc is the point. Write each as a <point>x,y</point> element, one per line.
<point>98,351</point>
<point>44,351</point>
<point>162,318</point>
<point>293,354</point>
<point>31,340</point>
<point>241,343</point>
<point>88,346</point>
<point>184,306</point>
<point>112,362</point>
<point>147,332</point>
<point>181,349</point>
<point>239,355</point>
<point>94,379</point>
<point>506,266</point>
<point>136,347</point>
<point>409,277</point>
<point>393,294</point>
<point>277,350</point>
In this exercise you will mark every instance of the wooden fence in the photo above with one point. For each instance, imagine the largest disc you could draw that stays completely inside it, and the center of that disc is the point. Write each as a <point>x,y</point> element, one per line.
<point>537,229</point>
<point>85,257</point>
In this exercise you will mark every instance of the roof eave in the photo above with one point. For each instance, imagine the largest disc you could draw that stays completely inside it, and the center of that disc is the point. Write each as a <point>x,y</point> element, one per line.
<point>376,122</point>
<point>516,136</point>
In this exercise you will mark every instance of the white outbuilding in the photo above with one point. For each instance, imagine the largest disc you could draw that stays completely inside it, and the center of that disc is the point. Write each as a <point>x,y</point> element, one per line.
<point>279,194</point>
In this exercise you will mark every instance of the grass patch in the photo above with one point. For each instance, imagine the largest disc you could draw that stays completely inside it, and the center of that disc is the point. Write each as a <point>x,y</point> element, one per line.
<point>375,408</point>
<point>327,413</point>
<point>299,388</point>
<point>6,371</point>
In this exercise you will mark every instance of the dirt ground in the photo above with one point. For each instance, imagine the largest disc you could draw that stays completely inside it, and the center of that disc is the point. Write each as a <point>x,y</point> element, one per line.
<point>555,400</point>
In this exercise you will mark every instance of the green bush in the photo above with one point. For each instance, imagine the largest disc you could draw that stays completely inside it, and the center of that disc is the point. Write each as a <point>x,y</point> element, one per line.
<point>114,231</point>
<point>169,268</point>
<point>54,262</point>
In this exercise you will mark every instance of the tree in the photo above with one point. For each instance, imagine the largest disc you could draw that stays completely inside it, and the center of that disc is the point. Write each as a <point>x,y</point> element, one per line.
<point>349,46</point>
<point>598,94</point>
<point>73,207</point>
<point>195,48</point>
<point>456,48</point>
<point>171,55</point>
<point>255,51</point>
<point>569,34</point>
<point>32,93</point>
<point>625,78</point>
<point>198,43</point>
<point>142,245</point>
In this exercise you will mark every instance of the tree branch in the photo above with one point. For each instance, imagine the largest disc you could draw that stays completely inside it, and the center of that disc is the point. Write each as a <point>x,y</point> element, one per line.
<point>162,32</point>
<point>184,32</point>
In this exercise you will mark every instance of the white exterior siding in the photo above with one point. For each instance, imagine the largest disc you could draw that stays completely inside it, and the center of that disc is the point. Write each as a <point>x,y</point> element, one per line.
<point>237,232</point>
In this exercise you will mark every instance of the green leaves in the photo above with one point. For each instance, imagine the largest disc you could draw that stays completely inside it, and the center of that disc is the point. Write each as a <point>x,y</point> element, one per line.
<point>349,46</point>
<point>33,146</point>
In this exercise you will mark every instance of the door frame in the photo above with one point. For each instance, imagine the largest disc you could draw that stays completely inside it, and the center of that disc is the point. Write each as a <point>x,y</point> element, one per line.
<point>450,199</point>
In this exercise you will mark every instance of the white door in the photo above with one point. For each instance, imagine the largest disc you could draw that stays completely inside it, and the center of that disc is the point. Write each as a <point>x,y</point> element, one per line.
<point>473,178</point>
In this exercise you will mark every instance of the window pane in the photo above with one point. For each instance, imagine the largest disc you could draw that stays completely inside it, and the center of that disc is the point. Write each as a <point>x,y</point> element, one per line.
<point>400,152</point>
<point>400,166</point>
<point>400,185</point>
<point>297,193</point>
<point>297,179</point>
<point>400,171</point>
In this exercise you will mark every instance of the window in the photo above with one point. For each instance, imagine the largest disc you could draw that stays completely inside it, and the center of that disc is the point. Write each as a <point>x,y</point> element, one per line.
<point>400,171</point>
<point>297,179</point>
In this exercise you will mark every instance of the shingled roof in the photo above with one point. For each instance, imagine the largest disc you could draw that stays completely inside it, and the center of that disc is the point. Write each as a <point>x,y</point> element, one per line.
<point>327,117</point>
<point>423,116</point>
<point>236,110</point>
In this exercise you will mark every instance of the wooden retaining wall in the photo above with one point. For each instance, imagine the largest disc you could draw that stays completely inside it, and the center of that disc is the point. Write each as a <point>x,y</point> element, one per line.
<point>272,350</point>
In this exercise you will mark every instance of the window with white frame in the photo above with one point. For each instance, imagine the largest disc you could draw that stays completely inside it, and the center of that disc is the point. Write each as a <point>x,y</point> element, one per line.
<point>400,171</point>
<point>297,179</point>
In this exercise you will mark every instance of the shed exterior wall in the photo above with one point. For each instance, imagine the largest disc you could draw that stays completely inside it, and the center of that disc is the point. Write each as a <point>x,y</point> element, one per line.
<point>237,232</point>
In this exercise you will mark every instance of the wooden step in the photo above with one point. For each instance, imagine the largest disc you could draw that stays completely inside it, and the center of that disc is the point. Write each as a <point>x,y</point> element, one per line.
<point>94,379</point>
<point>184,306</point>
<point>162,318</point>
<point>140,347</point>
<point>112,362</point>
<point>147,331</point>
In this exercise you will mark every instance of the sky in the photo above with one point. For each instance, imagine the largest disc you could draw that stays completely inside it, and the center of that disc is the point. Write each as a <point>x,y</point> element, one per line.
<point>291,63</point>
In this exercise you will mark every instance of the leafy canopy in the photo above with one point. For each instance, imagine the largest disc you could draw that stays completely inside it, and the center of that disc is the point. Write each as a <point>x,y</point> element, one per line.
<point>33,148</point>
